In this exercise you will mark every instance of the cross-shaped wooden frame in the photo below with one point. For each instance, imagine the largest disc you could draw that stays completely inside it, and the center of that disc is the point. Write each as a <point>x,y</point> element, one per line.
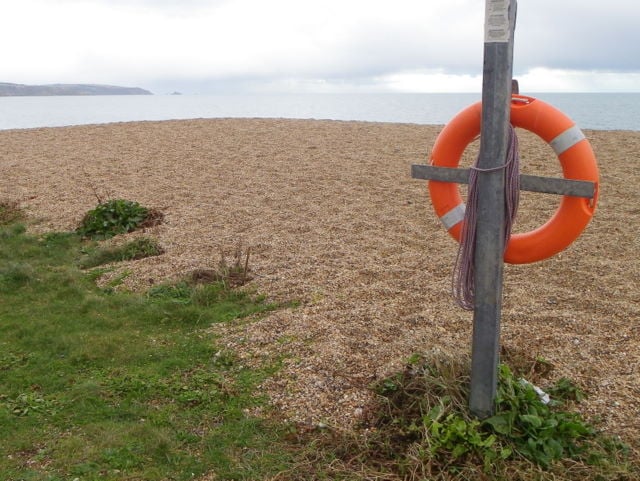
<point>500,19</point>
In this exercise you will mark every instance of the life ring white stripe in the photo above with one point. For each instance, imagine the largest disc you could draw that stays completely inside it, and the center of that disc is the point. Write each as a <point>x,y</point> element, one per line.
<point>454,216</point>
<point>567,139</point>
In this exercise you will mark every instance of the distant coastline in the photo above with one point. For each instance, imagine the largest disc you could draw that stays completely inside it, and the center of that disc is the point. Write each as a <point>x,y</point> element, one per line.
<point>18,90</point>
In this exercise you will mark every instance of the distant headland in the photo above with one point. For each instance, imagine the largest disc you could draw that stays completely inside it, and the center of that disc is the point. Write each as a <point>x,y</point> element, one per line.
<point>16,90</point>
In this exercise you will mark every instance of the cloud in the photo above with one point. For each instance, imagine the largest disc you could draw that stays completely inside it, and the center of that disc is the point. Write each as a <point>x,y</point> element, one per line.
<point>562,80</point>
<point>323,45</point>
<point>578,35</point>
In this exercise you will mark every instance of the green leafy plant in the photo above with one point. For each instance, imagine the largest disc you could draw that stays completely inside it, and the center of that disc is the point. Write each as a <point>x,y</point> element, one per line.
<point>28,403</point>
<point>454,436</point>
<point>537,431</point>
<point>566,389</point>
<point>115,216</point>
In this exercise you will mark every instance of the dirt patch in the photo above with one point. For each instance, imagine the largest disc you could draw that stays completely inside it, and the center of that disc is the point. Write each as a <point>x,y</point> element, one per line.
<point>335,222</point>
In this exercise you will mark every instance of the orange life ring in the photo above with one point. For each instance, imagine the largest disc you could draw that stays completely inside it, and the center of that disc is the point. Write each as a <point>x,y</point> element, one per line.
<point>576,158</point>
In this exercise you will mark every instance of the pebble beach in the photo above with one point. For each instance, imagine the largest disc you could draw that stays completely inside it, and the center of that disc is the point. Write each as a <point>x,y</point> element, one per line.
<point>338,229</point>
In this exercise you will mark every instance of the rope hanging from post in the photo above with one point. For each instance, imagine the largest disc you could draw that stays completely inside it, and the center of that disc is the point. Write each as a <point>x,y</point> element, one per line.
<point>464,272</point>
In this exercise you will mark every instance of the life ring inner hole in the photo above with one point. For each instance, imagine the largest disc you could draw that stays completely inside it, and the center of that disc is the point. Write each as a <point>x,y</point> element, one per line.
<point>536,158</point>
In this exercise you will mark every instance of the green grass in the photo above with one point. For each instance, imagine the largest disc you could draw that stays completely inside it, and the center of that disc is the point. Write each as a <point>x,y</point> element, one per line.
<point>96,384</point>
<point>136,249</point>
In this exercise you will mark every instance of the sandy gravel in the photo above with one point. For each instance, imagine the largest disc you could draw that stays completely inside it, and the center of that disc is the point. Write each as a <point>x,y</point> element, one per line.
<point>336,223</point>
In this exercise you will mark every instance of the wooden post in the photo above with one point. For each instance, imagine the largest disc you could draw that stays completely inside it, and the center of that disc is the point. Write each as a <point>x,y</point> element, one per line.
<point>488,263</point>
<point>500,16</point>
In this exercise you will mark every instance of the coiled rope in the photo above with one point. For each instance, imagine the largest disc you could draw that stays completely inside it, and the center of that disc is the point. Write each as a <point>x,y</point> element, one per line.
<point>463,287</point>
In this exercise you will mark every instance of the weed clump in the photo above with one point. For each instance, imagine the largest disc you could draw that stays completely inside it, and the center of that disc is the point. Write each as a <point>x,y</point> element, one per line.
<point>233,273</point>
<point>113,217</point>
<point>422,429</point>
<point>524,429</point>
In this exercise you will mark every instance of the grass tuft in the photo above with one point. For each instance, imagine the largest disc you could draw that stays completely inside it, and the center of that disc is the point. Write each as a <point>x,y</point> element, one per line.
<point>139,248</point>
<point>234,273</point>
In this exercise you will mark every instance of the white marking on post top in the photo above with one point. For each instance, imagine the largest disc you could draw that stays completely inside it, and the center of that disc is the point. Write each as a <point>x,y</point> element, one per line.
<point>496,21</point>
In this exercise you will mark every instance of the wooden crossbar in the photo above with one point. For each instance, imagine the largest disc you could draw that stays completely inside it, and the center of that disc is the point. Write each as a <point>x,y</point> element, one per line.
<point>531,183</point>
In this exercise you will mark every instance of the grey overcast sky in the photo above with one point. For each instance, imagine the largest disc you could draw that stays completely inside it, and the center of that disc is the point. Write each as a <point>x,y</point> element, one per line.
<point>209,46</point>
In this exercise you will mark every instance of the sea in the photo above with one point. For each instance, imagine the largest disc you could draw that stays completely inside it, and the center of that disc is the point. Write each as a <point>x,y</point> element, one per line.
<point>599,111</point>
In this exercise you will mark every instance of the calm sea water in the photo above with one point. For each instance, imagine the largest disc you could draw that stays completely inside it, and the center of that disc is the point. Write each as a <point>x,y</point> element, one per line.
<point>603,111</point>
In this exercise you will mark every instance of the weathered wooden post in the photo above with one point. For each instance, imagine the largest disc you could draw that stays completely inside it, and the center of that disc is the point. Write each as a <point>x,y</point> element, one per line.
<point>500,17</point>
<point>579,188</point>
